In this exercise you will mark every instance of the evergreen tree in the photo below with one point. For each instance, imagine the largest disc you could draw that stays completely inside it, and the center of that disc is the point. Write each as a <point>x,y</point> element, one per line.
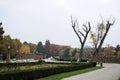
<point>47,48</point>
<point>39,48</point>
<point>74,52</point>
<point>66,55</point>
<point>1,32</point>
<point>117,48</point>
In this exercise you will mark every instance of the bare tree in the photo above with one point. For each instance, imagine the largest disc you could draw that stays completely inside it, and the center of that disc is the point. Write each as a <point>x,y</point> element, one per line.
<point>100,35</point>
<point>81,35</point>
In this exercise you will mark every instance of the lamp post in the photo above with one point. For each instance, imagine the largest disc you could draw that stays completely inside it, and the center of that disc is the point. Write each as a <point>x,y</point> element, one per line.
<point>8,55</point>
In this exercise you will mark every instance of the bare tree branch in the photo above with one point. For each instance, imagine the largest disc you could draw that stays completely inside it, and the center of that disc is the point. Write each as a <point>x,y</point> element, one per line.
<point>81,33</point>
<point>82,36</point>
<point>74,28</point>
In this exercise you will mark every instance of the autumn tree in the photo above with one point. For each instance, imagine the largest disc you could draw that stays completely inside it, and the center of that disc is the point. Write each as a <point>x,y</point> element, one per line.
<point>80,34</point>
<point>14,44</point>
<point>118,54</point>
<point>7,41</point>
<point>109,51</point>
<point>32,47</point>
<point>47,47</point>
<point>24,49</point>
<point>55,48</point>
<point>99,36</point>
<point>51,49</point>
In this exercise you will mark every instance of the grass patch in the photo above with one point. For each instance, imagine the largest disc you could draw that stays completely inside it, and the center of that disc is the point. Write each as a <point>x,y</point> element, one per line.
<point>68,74</point>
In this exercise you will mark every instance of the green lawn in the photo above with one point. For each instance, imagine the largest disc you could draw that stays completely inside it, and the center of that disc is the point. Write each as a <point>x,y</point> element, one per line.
<point>68,74</point>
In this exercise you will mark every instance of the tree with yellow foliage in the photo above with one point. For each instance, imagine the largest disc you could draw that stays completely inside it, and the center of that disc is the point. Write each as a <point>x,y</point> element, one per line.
<point>108,51</point>
<point>24,49</point>
<point>118,54</point>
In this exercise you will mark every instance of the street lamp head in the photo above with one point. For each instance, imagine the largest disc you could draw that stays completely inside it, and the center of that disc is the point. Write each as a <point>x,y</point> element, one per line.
<point>8,47</point>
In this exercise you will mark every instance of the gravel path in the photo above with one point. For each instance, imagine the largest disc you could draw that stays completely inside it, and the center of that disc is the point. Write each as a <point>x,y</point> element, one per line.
<point>109,72</point>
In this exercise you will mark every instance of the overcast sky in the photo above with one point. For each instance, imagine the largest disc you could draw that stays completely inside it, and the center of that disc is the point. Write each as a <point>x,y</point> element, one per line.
<point>40,20</point>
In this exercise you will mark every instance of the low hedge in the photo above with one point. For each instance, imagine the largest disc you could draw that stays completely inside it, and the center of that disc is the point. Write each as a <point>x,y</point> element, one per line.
<point>10,65</point>
<point>18,64</point>
<point>27,64</point>
<point>39,73</point>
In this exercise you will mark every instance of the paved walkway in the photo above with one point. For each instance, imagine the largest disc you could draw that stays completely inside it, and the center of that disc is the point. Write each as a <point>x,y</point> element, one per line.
<point>110,72</point>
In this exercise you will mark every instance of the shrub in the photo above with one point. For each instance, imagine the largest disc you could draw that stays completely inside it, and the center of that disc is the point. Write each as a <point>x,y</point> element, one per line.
<point>41,61</point>
<point>44,72</point>
<point>18,64</point>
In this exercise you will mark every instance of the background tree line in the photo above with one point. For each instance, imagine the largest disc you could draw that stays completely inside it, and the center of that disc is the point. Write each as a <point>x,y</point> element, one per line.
<point>16,47</point>
<point>64,52</point>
